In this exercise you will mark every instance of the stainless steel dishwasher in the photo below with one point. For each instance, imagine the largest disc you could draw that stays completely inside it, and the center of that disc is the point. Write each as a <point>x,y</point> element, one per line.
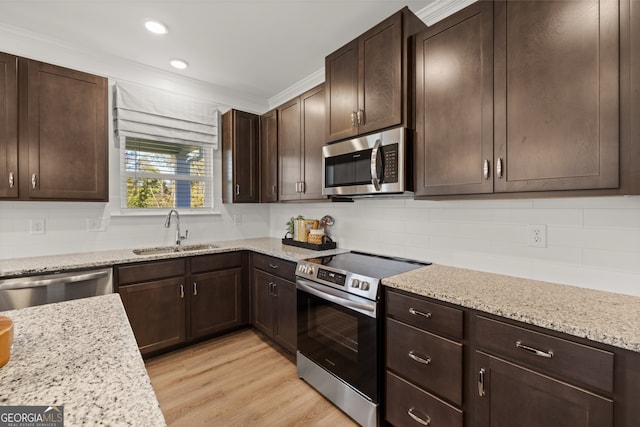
<point>20,292</point>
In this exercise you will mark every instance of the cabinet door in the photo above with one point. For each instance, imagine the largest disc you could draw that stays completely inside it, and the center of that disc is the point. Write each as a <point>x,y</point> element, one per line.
<point>240,167</point>
<point>262,288</point>
<point>380,75</point>
<point>216,302</point>
<point>314,131</point>
<point>269,157</point>
<point>156,311</point>
<point>454,104</point>
<point>289,149</point>
<point>556,95</point>
<point>8,126</point>
<point>286,332</point>
<point>515,396</point>
<point>341,76</point>
<point>66,134</point>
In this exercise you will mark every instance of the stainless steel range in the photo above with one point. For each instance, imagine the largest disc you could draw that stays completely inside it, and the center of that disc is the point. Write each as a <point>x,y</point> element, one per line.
<point>339,328</point>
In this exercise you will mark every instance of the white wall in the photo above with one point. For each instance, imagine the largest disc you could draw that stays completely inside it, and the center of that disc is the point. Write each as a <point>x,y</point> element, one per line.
<point>591,242</point>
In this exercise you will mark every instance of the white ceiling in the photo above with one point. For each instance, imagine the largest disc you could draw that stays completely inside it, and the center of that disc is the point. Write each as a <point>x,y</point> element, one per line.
<point>255,48</point>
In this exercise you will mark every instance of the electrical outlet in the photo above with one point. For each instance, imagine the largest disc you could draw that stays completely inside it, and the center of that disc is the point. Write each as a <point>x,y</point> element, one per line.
<point>538,235</point>
<point>96,224</point>
<point>237,219</point>
<point>37,226</point>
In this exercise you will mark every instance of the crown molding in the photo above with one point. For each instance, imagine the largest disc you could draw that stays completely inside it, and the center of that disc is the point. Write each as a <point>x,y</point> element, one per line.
<point>296,89</point>
<point>440,9</point>
<point>28,44</point>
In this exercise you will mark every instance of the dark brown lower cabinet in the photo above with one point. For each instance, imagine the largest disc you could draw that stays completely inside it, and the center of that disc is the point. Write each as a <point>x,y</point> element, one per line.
<point>156,311</point>
<point>216,302</point>
<point>511,395</point>
<point>274,308</point>
<point>172,302</point>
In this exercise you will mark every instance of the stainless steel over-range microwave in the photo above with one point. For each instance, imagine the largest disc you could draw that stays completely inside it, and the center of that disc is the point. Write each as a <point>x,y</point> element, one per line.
<point>380,163</point>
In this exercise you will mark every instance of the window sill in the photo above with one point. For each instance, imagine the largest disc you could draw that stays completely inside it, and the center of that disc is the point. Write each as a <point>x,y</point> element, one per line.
<point>163,212</point>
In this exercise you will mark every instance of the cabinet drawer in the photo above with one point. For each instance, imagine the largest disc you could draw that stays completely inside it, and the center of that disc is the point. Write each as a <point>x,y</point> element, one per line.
<point>403,399</point>
<point>213,262</point>
<point>424,314</point>
<point>150,271</point>
<point>431,362</point>
<point>565,359</point>
<point>275,266</point>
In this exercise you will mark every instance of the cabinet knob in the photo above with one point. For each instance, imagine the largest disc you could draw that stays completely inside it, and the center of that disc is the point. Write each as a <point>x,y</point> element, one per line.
<point>11,180</point>
<point>34,181</point>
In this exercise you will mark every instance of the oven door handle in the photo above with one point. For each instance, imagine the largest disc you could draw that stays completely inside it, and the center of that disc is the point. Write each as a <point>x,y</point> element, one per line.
<point>328,295</point>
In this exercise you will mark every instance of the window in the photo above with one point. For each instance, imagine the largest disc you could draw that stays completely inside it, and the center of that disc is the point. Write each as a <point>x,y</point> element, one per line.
<point>166,143</point>
<point>157,174</point>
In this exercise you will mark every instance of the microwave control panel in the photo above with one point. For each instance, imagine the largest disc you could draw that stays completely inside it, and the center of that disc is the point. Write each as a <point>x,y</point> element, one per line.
<point>390,163</point>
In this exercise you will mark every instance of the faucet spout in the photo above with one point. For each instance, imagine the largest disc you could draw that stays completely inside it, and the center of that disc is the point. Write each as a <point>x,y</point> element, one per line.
<point>167,224</point>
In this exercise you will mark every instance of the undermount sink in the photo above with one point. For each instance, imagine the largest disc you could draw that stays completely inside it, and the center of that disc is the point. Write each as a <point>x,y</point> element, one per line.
<point>172,249</point>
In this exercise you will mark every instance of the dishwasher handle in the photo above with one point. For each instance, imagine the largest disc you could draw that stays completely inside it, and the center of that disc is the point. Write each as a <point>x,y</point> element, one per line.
<point>56,280</point>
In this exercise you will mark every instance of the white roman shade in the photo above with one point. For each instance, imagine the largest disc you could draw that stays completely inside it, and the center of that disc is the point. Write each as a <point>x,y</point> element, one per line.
<point>153,114</point>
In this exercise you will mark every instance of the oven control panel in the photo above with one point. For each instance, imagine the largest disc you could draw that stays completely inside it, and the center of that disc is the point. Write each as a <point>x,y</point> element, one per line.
<point>331,276</point>
<point>366,287</point>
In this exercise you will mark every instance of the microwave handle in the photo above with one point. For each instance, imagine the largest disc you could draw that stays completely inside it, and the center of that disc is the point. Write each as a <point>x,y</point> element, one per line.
<point>375,152</point>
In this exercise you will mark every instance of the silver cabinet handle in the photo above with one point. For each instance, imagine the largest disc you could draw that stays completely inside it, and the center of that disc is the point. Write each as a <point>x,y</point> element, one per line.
<point>499,168</point>
<point>274,189</point>
<point>424,421</point>
<point>485,169</point>
<point>419,313</point>
<point>11,180</point>
<point>375,180</point>
<point>360,116</point>
<point>237,189</point>
<point>419,359</point>
<point>181,291</point>
<point>34,181</point>
<point>481,382</point>
<point>353,119</point>
<point>195,288</point>
<point>545,354</point>
<point>274,266</point>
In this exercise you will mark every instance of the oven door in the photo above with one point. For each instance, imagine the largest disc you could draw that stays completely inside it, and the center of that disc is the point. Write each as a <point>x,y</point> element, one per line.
<point>340,332</point>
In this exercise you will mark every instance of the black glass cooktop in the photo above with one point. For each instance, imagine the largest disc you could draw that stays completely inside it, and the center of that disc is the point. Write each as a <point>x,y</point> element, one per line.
<point>375,266</point>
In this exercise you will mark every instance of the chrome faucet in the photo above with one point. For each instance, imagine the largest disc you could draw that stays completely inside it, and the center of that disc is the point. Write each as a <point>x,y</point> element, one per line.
<point>167,224</point>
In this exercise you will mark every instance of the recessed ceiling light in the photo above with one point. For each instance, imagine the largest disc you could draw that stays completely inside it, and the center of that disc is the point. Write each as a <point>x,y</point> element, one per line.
<point>156,27</point>
<point>179,64</point>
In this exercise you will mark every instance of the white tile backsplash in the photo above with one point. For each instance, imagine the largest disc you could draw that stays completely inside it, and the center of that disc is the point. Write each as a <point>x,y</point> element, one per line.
<point>591,242</point>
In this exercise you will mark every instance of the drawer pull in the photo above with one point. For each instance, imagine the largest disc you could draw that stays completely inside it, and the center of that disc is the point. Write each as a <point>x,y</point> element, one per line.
<point>274,266</point>
<point>481,382</point>
<point>419,359</point>
<point>419,313</point>
<point>181,291</point>
<point>545,354</point>
<point>420,420</point>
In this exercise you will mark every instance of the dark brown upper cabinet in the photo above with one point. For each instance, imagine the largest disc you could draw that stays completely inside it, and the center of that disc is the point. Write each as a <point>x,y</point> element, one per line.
<point>9,126</point>
<point>454,104</point>
<point>240,154</point>
<point>54,141</point>
<point>368,80</point>
<point>527,97</point>
<point>301,135</point>
<point>269,157</point>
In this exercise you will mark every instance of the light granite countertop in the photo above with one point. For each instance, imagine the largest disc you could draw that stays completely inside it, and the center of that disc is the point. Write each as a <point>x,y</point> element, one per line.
<point>49,264</point>
<point>80,354</point>
<point>600,316</point>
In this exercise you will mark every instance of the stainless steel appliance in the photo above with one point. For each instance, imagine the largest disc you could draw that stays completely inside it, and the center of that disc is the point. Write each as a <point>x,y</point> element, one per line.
<point>380,163</point>
<point>20,292</point>
<point>339,328</point>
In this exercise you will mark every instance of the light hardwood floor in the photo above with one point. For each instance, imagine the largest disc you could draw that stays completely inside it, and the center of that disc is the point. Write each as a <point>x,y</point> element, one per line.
<point>237,380</point>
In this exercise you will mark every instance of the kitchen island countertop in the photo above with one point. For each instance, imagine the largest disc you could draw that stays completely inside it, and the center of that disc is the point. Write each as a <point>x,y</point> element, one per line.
<point>600,316</point>
<point>80,354</point>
